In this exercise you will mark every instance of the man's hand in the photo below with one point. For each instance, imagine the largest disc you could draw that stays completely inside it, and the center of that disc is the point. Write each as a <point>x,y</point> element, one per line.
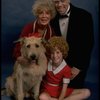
<point>74,72</point>
<point>22,60</point>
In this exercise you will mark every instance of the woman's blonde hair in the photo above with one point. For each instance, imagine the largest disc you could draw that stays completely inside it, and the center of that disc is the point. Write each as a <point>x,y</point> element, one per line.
<point>60,43</point>
<point>40,5</point>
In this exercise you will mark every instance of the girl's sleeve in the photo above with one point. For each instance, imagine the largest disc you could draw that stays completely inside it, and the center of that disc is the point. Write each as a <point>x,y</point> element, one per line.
<point>67,74</point>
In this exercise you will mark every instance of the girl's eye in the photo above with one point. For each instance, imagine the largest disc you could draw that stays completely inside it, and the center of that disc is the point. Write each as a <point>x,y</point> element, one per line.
<point>36,45</point>
<point>57,52</point>
<point>47,12</point>
<point>40,12</point>
<point>28,46</point>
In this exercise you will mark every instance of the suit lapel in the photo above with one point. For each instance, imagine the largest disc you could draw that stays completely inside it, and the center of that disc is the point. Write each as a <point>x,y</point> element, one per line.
<point>55,25</point>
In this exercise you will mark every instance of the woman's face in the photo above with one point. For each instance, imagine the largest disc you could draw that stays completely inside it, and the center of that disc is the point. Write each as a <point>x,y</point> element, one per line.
<point>56,56</point>
<point>61,5</point>
<point>44,17</point>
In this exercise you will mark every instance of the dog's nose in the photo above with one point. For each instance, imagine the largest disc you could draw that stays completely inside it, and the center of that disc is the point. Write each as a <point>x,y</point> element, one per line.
<point>33,57</point>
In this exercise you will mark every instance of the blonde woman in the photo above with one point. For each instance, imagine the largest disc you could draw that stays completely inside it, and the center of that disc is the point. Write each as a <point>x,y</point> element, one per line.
<point>44,12</point>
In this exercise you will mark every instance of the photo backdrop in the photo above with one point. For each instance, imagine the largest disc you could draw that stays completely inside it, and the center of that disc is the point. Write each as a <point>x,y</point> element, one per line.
<point>16,13</point>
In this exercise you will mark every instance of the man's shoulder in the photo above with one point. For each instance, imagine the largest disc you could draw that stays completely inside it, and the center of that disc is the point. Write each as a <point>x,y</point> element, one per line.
<point>79,10</point>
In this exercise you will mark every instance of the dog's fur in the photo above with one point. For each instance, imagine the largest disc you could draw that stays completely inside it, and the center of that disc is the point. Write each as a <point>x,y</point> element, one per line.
<point>27,77</point>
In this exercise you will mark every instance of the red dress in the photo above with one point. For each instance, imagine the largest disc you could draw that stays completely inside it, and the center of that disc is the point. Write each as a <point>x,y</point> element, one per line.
<point>53,80</point>
<point>32,27</point>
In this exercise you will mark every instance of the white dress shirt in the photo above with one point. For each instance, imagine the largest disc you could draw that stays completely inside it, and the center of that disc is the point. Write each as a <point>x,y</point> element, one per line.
<point>64,24</point>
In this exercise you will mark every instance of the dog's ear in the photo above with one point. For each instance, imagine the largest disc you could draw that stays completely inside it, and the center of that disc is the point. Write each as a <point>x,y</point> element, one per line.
<point>21,40</point>
<point>44,41</point>
<point>16,41</point>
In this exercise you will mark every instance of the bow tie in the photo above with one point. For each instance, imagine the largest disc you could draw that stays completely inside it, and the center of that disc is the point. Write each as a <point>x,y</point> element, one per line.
<point>63,16</point>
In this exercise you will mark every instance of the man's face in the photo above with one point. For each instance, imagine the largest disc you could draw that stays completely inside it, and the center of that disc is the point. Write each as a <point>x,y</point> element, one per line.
<point>61,5</point>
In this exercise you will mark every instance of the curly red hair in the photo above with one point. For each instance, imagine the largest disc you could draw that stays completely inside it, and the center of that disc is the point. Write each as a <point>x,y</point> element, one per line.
<point>60,43</point>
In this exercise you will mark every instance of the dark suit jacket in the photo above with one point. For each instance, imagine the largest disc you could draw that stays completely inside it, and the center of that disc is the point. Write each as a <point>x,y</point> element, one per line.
<point>79,38</point>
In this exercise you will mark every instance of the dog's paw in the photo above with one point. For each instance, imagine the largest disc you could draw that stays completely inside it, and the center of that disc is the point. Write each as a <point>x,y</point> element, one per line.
<point>3,91</point>
<point>36,97</point>
<point>19,97</point>
<point>27,95</point>
<point>6,92</point>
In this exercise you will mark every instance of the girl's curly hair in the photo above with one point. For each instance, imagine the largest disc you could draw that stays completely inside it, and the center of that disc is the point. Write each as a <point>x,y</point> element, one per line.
<point>60,43</point>
<point>40,5</point>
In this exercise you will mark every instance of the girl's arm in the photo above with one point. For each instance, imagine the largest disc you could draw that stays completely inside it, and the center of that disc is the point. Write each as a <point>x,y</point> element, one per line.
<point>64,89</point>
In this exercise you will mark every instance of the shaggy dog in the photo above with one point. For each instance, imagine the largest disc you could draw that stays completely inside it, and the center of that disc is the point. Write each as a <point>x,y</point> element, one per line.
<point>27,77</point>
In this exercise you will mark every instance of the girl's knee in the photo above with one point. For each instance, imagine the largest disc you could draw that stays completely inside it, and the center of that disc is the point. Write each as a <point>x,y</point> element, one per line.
<point>44,96</point>
<point>88,93</point>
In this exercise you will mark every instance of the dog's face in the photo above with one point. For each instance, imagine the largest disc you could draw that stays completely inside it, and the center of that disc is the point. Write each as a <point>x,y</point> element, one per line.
<point>31,48</point>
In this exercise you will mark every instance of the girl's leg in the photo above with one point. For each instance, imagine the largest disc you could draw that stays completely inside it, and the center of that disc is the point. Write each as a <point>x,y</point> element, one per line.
<point>79,94</point>
<point>46,96</point>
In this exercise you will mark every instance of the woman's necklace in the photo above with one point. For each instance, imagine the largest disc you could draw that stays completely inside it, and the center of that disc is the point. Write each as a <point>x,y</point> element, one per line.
<point>42,32</point>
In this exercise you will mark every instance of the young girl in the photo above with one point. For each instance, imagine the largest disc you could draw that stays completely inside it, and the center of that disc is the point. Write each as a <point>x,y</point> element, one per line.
<point>55,83</point>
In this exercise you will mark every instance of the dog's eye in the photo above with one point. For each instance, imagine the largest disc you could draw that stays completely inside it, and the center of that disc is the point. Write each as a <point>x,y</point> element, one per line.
<point>28,46</point>
<point>36,45</point>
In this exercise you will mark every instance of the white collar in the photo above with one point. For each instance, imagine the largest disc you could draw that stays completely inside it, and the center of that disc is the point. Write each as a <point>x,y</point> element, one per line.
<point>58,69</point>
<point>67,11</point>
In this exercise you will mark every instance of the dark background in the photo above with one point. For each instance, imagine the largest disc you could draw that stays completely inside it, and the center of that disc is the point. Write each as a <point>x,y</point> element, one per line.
<point>16,13</point>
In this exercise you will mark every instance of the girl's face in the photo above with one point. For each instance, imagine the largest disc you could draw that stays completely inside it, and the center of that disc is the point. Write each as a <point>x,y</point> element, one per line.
<point>56,56</point>
<point>44,17</point>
